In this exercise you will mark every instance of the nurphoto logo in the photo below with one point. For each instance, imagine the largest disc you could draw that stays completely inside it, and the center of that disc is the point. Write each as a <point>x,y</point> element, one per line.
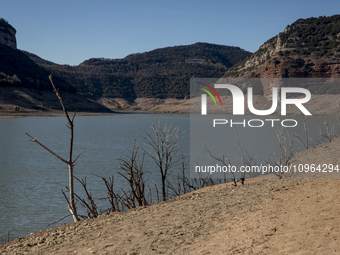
<point>238,99</point>
<point>238,103</point>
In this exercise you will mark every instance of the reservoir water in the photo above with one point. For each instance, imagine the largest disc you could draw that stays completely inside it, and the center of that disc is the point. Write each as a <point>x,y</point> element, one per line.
<point>31,178</point>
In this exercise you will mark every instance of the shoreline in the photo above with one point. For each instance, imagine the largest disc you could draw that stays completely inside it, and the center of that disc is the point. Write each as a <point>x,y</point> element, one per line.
<point>294,204</point>
<point>7,115</point>
<point>294,225</point>
<point>320,105</point>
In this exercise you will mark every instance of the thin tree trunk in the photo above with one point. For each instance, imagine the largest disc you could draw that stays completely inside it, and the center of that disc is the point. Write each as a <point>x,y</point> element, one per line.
<point>73,208</point>
<point>163,188</point>
<point>69,162</point>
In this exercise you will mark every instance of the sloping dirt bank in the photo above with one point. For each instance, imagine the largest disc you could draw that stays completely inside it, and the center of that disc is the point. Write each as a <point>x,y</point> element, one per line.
<point>34,102</point>
<point>264,216</point>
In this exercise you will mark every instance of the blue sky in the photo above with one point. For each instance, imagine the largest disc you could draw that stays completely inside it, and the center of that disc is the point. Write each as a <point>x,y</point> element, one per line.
<point>71,31</point>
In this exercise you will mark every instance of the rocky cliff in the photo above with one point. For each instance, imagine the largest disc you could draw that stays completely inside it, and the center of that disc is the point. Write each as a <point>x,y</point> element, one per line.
<point>7,34</point>
<point>306,48</point>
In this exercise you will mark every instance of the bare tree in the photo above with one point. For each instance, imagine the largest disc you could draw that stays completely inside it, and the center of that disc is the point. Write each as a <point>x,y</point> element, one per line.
<point>242,175</point>
<point>70,162</point>
<point>163,147</point>
<point>185,184</point>
<point>90,206</point>
<point>305,139</point>
<point>133,172</point>
<point>111,195</point>
<point>222,160</point>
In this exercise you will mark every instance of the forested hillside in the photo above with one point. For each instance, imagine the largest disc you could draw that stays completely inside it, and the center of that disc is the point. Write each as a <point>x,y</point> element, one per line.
<point>18,70</point>
<point>161,73</point>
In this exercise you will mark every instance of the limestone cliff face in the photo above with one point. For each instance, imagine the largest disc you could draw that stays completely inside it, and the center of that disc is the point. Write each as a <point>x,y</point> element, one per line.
<point>7,34</point>
<point>306,48</point>
<point>267,51</point>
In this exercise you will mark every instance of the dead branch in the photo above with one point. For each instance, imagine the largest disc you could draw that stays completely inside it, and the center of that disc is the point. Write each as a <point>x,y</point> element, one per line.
<point>58,220</point>
<point>304,142</point>
<point>111,195</point>
<point>218,159</point>
<point>50,151</point>
<point>133,172</point>
<point>91,209</point>
<point>242,175</point>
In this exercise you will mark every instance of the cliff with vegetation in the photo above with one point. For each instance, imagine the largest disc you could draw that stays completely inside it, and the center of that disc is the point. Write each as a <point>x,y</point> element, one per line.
<point>18,70</point>
<point>307,48</point>
<point>7,34</point>
<point>25,84</point>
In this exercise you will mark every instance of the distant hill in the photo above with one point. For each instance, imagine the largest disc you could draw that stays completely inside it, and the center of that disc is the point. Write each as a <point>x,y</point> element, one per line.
<point>307,48</point>
<point>161,73</point>
<point>38,60</point>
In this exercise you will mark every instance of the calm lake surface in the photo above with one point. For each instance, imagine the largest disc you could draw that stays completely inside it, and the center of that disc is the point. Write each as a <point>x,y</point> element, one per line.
<point>31,178</point>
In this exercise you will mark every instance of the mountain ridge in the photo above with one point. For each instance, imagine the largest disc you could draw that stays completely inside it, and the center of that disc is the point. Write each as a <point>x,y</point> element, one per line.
<point>306,48</point>
<point>160,73</point>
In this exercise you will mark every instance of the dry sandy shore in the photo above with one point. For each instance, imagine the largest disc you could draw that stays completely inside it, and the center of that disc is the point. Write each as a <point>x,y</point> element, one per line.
<point>264,216</point>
